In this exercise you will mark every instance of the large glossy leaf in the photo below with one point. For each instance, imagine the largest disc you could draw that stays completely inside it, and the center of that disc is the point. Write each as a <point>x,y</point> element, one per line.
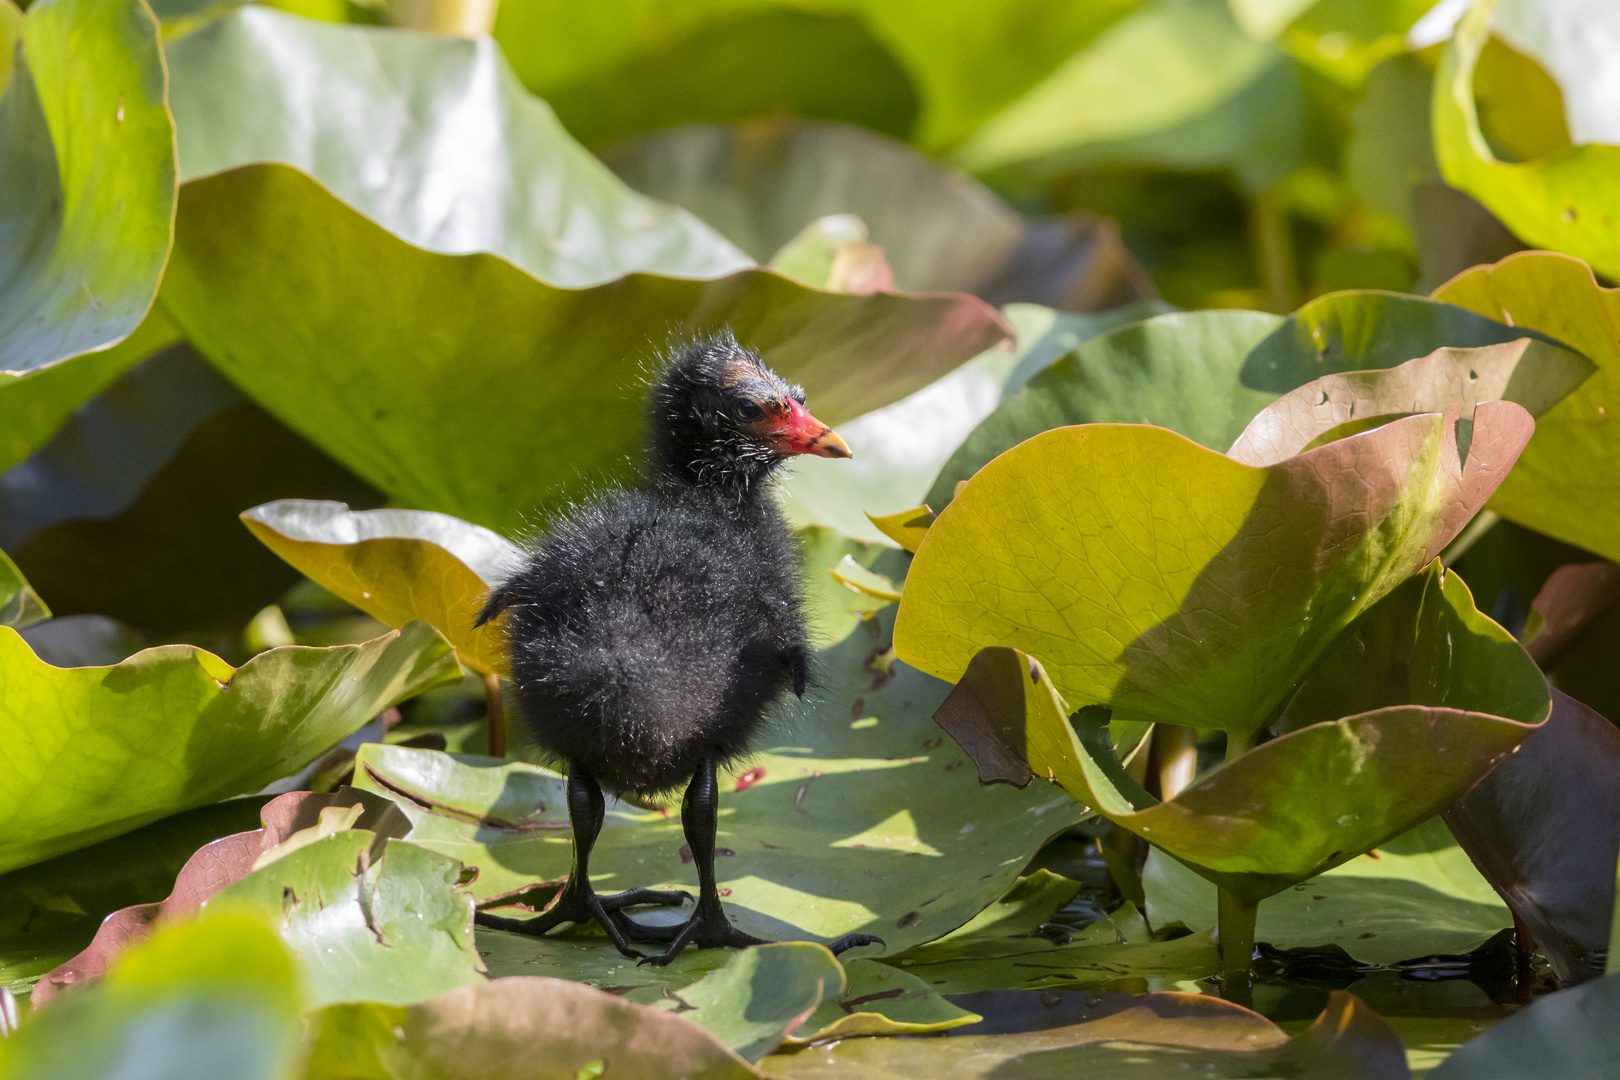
<point>86,180</point>
<point>1177,370</point>
<point>863,817</point>
<point>1568,1034</point>
<point>1415,896</point>
<point>1528,372</point>
<point>394,930</point>
<point>396,565</point>
<point>1544,828</point>
<point>51,910</point>
<point>1567,484</point>
<point>1175,584</point>
<point>762,181</point>
<point>1332,790</point>
<point>751,1002</point>
<point>218,998</point>
<point>1566,200</point>
<point>523,1028</point>
<point>259,85</point>
<point>1172,84</point>
<point>94,752</point>
<point>153,471</point>
<point>1151,1036</point>
<point>270,271</point>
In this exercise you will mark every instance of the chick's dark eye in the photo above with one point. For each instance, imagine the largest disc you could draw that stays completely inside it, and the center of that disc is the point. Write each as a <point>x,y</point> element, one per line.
<point>747,411</point>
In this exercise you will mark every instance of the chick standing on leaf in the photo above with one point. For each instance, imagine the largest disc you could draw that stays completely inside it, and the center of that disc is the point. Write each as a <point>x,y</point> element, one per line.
<point>651,628</point>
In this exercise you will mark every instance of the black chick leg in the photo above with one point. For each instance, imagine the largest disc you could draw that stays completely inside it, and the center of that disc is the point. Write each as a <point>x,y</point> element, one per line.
<point>577,903</point>
<point>708,928</point>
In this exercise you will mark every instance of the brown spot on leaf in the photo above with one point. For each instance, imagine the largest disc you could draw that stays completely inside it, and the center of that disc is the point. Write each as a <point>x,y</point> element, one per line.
<point>910,918</point>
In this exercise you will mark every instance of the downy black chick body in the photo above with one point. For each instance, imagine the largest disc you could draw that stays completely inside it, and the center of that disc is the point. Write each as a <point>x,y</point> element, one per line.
<point>649,630</point>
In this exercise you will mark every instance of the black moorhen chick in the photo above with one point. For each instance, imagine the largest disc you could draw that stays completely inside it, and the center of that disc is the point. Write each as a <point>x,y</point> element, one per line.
<point>650,629</point>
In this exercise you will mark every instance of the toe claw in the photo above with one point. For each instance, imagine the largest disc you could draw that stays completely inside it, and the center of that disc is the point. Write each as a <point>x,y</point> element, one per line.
<point>855,941</point>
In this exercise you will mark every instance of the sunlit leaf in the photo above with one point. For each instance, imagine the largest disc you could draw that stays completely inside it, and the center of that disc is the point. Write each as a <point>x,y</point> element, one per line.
<point>760,993</point>
<point>394,929</point>
<point>270,271</point>
<point>94,752</point>
<point>401,151</point>
<point>1567,200</point>
<point>1175,584</point>
<point>87,180</point>
<point>1567,483</point>
<point>396,565</point>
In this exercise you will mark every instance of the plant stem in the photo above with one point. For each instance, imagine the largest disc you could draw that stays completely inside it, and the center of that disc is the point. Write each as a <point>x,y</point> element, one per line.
<point>1238,744</point>
<point>496,714</point>
<point>1235,919</point>
<point>1272,241</point>
<point>463,18</point>
<point>1176,752</point>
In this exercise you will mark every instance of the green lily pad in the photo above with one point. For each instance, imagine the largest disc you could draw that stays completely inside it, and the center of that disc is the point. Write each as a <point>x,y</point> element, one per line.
<point>20,605</point>
<point>1566,484</point>
<point>395,930</point>
<point>1152,1036</point>
<point>50,911</point>
<point>88,176</point>
<point>403,398</point>
<point>396,565</point>
<point>1332,790</point>
<point>1527,372</point>
<point>400,152</point>
<point>1414,896</point>
<point>1178,370</point>
<point>863,818</point>
<point>522,1028</point>
<point>881,1000</point>
<point>1544,828</point>
<point>1174,584</point>
<point>219,997</point>
<point>1565,200</point>
<point>1568,1034</point>
<point>751,1002</point>
<point>94,752</point>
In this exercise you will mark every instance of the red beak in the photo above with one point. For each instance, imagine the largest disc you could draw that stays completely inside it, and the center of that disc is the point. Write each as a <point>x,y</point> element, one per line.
<point>797,432</point>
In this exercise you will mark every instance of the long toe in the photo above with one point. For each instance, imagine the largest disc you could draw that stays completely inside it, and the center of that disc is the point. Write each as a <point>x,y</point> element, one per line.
<point>854,941</point>
<point>645,897</point>
<point>706,930</point>
<point>538,926</point>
